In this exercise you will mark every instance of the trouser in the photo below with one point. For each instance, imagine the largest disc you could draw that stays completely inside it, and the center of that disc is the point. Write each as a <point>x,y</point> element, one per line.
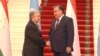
<point>62,54</point>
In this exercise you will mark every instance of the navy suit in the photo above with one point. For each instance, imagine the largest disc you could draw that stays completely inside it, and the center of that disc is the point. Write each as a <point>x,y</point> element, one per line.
<point>63,36</point>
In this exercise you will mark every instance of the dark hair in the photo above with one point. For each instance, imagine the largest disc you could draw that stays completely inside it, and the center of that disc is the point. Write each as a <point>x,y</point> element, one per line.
<point>60,7</point>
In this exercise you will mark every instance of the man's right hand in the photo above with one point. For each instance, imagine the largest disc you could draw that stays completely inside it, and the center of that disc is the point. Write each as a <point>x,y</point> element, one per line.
<point>48,43</point>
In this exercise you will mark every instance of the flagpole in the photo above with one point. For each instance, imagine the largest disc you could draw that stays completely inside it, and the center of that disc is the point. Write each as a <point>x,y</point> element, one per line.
<point>98,42</point>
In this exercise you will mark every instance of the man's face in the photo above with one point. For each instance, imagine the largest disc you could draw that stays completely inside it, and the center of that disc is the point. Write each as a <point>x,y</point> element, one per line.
<point>36,17</point>
<point>57,12</point>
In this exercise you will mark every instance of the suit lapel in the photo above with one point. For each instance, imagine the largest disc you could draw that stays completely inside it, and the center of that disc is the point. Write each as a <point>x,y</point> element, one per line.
<point>34,26</point>
<point>53,25</point>
<point>58,25</point>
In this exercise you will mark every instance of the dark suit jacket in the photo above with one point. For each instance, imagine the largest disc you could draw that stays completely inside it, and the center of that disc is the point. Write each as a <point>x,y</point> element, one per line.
<point>63,36</point>
<point>33,43</point>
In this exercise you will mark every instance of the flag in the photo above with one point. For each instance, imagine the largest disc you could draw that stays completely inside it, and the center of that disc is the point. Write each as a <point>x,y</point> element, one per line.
<point>71,12</point>
<point>34,6</point>
<point>4,29</point>
<point>98,47</point>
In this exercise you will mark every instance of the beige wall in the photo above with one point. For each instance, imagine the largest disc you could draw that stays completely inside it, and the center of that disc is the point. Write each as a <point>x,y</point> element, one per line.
<point>18,16</point>
<point>96,17</point>
<point>39,2</point>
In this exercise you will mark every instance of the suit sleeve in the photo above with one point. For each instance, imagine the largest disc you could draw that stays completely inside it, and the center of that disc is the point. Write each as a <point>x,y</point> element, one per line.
<point>35,37</point>
<point>70,32</point>
<point>50,31</point>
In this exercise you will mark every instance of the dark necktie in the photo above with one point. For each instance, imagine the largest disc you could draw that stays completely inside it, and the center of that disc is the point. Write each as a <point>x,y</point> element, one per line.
<point>57,24</point>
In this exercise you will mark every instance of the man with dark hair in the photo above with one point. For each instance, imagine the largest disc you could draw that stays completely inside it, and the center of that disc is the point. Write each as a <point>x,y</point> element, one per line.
<point>61,33</point>
<point>60,7</point>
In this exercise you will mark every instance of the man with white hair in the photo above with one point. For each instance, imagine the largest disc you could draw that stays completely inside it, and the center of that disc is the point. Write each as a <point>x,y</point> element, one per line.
<point>33,44</point>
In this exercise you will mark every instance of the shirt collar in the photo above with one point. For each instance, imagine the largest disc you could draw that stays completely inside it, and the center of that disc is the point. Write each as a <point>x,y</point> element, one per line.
<point>61,17</point>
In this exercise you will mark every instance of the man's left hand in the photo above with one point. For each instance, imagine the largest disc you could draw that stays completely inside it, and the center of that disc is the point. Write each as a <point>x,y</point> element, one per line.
<point>68,49</point>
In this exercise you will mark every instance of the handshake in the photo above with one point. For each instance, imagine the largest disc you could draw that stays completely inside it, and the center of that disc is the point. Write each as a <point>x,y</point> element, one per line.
<point>48,43</point>
<point>68,49</point>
